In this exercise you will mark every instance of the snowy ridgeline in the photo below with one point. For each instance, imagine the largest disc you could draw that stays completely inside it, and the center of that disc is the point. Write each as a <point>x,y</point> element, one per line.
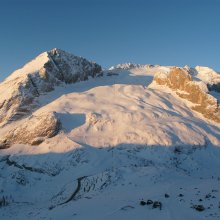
<point>127,66</point>
<point>130,101</point>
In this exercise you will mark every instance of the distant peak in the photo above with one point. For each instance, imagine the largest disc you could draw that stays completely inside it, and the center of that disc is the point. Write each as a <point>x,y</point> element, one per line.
<point>130,66</point>
<point>56,51</point>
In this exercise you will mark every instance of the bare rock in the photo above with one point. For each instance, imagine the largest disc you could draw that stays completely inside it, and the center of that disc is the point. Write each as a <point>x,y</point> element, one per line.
<point>142,202</point>
<point>149,202</point>
<point>166,195</point>
<point>157,204</point>
<point>198,208</point>
<point>196,92</point>
<point>34,129</point>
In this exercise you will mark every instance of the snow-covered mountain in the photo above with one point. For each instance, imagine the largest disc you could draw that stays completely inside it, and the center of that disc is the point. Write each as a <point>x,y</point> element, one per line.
<point>79,142</point>
<point>42,74</point>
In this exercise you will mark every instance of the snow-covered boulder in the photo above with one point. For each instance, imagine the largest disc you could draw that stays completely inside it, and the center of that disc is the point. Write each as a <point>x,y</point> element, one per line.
<point>33,130</point>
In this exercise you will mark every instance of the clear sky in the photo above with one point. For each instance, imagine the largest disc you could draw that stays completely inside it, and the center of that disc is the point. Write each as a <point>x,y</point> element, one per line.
<point>166,32</point>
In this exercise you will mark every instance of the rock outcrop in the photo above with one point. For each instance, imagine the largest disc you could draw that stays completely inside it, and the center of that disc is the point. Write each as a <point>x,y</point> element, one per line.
<point>33,130</point>
<point>49,69</point>
<point>182,82</point>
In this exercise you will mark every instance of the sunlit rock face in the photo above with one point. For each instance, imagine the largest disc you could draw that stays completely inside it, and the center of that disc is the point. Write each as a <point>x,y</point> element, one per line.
<point>33,130</point>
<point>42,74</point>
<point>196,92</point>
<point>71,68</point>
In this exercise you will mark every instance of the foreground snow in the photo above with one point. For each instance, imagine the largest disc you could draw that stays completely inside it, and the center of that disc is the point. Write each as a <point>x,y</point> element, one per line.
<point>115,181</point>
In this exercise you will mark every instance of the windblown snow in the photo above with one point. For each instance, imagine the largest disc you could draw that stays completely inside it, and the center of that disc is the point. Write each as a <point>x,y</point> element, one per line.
<point>100,144</point>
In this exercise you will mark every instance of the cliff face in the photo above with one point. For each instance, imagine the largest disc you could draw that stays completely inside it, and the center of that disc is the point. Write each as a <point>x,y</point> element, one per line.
<point>32,131</point>
<point>196,92</point>
<point>49,69</point>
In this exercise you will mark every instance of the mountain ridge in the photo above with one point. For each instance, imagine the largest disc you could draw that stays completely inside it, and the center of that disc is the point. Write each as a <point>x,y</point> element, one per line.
<point>38,76</point>
<point>53,68</point>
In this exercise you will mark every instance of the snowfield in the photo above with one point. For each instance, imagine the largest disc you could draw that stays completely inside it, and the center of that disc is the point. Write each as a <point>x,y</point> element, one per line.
<point>122,140</point>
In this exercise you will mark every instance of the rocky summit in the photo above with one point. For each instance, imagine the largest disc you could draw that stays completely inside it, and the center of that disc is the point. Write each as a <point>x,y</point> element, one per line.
<point>42,74</point>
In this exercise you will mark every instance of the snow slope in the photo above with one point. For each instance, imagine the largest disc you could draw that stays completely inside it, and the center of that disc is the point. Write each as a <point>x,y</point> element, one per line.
<point>207,75</point>
<point>122,140</point>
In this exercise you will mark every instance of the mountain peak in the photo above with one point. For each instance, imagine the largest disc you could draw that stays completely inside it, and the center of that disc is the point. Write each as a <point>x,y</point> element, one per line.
<point>40,75</point>
<point>57,51</point>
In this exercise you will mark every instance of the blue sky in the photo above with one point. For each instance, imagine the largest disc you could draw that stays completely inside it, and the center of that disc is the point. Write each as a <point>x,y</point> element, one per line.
<point>166,32</point>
